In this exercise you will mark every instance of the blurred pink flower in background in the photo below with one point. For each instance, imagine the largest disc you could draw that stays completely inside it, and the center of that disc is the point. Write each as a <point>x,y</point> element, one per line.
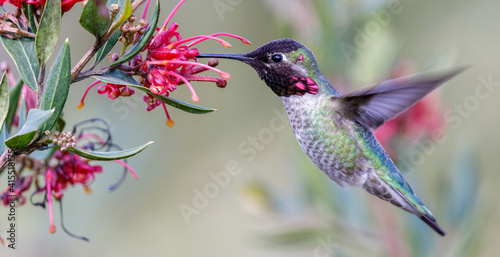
<point>416,123</point>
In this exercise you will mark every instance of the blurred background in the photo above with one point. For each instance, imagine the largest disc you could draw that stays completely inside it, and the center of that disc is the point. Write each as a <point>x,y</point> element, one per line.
<point>236,183</point>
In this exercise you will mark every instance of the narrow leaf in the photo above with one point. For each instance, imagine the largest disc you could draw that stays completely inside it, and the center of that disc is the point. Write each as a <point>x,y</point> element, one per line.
<point>14,95</point>
<point>31,130</point>
<point>57,85</point>
<point>28,10</point>
<point>21,51</point>
<point>176,103</point>
<point>95,17</point>
<point>106,48</point>
<point>117,77</point>
<point>22,113</point>
<point>4,99</point>
<point>108,156</point>
<point>137,48</point>
<point>4,134</point>
<point>125,11</point>
<point>48,31</point>
<point>122,16</point>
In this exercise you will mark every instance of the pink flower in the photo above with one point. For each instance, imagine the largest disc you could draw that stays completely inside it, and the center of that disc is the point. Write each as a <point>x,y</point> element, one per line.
<point>71,169</point>
<point>64,169</point>
<point>66,5</point>
<point>29,97</point>
<point>113,90</point>
<point>21,185</point>
<point>170,62</point>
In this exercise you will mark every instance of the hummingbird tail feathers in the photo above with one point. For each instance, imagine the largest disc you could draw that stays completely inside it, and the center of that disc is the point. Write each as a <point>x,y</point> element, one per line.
<point>408,201</point>
<point>431,222</point>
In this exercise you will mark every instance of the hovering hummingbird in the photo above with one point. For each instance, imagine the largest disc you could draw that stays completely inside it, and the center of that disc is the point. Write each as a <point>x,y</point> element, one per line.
<point>335,130</point>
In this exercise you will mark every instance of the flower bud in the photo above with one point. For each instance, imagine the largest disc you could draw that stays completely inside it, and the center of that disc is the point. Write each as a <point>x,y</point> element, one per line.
<point>127,92</point>
<point>124,28</point>
<point>222,83</point>
<point>213,62</point>
<point>115,56</point>
<point>4,66</point>
<point>114,8</point>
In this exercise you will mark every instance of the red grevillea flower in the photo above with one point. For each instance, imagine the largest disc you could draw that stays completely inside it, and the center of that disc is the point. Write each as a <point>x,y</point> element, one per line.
<point>64,169</point>
<point>113,90</point>
<point>21,185</point>
<point>66,5</point>
<point>71,169</point>
<point>170,62</point>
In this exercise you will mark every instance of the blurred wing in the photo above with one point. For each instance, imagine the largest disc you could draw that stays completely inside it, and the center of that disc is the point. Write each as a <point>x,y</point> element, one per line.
<point>372,106</point>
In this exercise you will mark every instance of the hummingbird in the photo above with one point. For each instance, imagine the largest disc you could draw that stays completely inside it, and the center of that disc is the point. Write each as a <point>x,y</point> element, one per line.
<point>335,130</point>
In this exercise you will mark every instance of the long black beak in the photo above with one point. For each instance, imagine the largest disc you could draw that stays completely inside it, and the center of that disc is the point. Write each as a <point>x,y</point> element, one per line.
<point>239,57</point>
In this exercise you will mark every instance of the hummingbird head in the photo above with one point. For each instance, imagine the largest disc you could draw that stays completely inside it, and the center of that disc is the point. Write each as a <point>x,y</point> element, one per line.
<point>287,66</point>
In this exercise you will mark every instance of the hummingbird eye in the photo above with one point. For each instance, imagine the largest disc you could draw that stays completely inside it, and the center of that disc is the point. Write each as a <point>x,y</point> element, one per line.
<point>277,58</point>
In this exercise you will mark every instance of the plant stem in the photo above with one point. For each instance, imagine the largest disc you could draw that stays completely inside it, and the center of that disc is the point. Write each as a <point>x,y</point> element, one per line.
<point>75,72</point>
<point>41,86</point>
<point>88,73</point>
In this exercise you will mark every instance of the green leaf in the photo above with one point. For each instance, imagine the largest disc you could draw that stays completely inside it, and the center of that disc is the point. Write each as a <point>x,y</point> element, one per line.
<point>48,31</point>
<point>125,11</point>
<point>4,134</point>
<point>117,77</point>
<point>57,85</point>
<point>143,41</point>
<point>21,51</point>
<point>176,103</point>
<point>22,113</point>
<point>108,156</point>
<point>28,10</point>
<point>14,95</point>
<point>31,130</point>
<point>60,124</point>
<point>4,99</point>
<point>122,16</point>
<point>106,48</point>
<point>95,17</point>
